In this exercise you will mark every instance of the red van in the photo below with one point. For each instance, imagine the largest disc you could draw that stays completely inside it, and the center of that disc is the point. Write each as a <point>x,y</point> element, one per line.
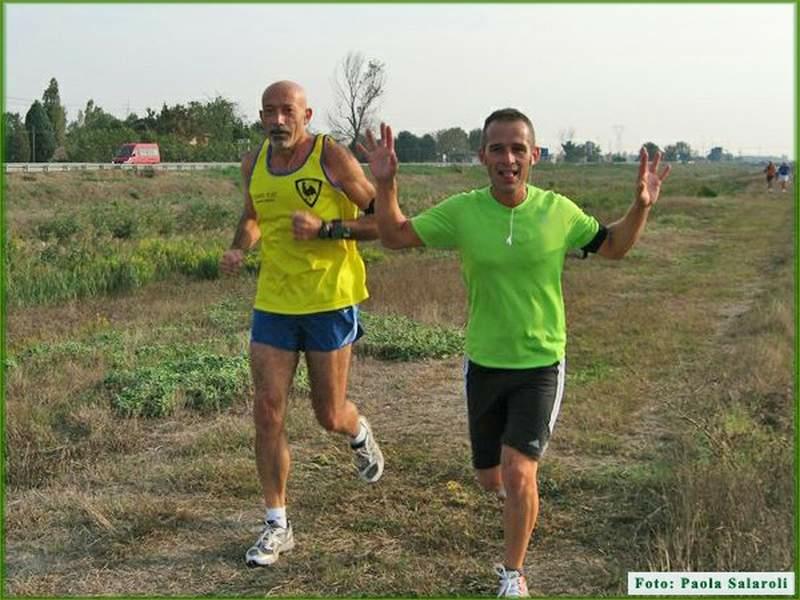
<point>137,154</point>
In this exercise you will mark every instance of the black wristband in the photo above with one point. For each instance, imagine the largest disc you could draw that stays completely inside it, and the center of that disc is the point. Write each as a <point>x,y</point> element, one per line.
<point>340,231</point>
<point>325,230</point>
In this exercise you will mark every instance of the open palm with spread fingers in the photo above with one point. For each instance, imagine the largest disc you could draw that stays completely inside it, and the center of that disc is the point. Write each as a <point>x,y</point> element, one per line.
<point>648,183</point>
<point>380,154</point>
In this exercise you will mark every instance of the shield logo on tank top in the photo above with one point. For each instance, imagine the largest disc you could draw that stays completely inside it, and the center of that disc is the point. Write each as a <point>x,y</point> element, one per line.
<point>308,189</point>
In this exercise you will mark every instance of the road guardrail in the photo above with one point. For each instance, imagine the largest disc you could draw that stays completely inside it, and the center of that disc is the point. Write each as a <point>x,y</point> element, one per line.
<point>59,167</point>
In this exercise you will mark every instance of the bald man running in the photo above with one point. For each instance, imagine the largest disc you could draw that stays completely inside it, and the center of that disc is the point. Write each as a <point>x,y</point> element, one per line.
<point>302,196</point>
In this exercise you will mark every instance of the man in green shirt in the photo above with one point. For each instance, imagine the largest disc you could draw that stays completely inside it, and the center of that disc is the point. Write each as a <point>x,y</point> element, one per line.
<point>512,238</point>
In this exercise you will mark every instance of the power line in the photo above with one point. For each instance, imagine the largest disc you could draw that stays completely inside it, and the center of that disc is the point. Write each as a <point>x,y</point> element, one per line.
<point>125,108</point>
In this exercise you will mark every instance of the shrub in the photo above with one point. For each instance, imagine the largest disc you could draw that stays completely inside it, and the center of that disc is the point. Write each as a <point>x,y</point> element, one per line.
<point>60,228</point>
<point>204,382</point>
<point>205,215</point>
<point>395,337</point>
<point>706,192</point>
<point>124,228</point>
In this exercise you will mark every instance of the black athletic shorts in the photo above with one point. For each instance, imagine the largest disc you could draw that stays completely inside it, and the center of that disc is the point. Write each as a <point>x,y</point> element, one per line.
<point>515,407</point>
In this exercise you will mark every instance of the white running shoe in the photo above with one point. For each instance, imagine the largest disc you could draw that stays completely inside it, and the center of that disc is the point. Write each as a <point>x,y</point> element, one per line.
<point>368,457</point>
<point>512,583</point>
<point>272,541</point>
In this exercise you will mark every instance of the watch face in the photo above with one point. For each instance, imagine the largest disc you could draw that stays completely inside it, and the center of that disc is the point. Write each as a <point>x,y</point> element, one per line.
<point>340,231</point>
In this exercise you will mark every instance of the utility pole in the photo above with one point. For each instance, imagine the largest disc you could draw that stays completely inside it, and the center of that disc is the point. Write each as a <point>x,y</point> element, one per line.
<point>618,129</point>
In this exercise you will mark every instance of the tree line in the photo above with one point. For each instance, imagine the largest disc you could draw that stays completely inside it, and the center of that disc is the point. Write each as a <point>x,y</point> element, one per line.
<point>194,132</point>
<point>213,131</point>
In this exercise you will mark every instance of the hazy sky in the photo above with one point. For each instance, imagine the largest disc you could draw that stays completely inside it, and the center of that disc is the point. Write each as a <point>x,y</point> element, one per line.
<point>707,74</point>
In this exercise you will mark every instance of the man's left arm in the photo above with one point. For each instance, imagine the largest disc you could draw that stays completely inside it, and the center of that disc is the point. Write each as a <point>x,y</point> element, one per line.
<point>624,233</point>
<point>345,170</point>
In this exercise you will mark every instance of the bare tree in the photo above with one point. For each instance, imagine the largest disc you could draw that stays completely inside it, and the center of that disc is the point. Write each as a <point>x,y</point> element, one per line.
<point>358,84</point>
<point>566,135</point>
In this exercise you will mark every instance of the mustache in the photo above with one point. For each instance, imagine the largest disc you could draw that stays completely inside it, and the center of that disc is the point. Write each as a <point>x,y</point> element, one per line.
<point>279,130</point>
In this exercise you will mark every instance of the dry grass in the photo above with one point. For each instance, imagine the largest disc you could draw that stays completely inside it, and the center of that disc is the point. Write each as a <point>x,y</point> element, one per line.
<point>673,450</point>
<point>425,288</point>
<point>735,452</point>
<point>46,192</point>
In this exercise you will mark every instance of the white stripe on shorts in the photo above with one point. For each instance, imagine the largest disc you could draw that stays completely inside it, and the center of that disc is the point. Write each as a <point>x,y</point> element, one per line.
<point>562,371</point>
<point>465,371</point>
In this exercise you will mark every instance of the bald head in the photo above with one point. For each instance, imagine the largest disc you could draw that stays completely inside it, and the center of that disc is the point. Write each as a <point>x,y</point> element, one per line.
<point>282,90</point>
<point>285,114</point>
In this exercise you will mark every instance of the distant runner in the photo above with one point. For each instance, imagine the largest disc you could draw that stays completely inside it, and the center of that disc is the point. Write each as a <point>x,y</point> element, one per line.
<point>770,171</point>
<point>512,238</point>
<point>783,175</point>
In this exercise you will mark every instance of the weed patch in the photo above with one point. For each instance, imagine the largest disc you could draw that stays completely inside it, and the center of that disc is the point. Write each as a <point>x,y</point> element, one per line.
<point>394,337</point>
<point>706,192</point>
<point>204,382</point>
<point>61,273</point>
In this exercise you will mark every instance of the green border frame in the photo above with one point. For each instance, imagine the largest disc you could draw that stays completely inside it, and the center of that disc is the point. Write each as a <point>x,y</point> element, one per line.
<point>796,246</point>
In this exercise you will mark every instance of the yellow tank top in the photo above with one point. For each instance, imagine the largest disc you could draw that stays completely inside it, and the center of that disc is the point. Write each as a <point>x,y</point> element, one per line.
<point>302,277</point>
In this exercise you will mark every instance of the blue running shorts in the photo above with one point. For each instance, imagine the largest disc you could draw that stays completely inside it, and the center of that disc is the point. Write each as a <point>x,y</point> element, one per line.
<point>318,332</point>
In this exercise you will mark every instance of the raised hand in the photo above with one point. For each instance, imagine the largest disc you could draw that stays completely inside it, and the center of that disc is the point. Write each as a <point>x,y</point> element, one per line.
<point>648,183</point>
<point>380,154</point>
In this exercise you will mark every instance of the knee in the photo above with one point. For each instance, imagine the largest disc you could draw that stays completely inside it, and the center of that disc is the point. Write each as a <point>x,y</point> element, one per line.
<point>519,478</point>
<point>268,414</point>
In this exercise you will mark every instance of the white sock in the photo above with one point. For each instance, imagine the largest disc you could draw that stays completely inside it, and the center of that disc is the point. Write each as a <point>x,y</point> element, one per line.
<point>277,516</point>
<point>360,436</point>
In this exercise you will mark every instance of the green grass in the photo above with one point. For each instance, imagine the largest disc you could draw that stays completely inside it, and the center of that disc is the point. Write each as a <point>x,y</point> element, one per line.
<point>203,382</point>
<point>394,337</point>
<point>170,377</point>
<point>58,272</point>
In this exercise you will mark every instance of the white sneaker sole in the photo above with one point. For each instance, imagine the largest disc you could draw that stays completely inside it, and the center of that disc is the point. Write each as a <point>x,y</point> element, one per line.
<point>257,561</point>
<point>377,475</point>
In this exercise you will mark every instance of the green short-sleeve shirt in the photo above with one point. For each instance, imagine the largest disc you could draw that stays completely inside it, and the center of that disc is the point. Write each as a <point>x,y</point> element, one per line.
<point>511,261</point>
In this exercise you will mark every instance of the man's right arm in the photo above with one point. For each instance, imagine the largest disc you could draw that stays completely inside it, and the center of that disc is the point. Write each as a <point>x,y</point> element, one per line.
<point>394,228</point>
<point>247,232</point>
